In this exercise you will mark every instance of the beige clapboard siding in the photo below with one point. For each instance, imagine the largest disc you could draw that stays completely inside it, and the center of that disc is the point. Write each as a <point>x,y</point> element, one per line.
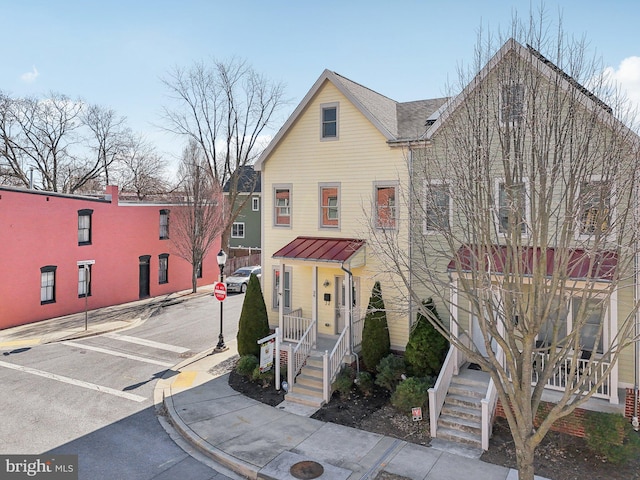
<point>355,161</point>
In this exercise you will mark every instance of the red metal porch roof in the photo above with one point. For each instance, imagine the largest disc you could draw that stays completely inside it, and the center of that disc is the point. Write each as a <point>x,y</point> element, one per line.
<point>580,264</point>
<point>320,249</point>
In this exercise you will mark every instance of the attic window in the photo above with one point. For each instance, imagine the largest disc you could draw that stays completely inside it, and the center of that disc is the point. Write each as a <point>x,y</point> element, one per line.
<point>512,103</point>
<point>330,122</point>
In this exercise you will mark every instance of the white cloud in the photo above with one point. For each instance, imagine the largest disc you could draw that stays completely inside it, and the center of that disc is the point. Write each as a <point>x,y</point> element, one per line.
<point>30,77</point>
<point>627,77</point>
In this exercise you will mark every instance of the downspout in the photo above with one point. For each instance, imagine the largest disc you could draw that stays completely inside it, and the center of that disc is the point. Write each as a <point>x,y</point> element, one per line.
<point>350,284</point>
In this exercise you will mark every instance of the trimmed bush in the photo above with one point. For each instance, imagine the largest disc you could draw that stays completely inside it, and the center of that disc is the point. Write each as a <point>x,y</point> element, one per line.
<point>375,334</point>
<point>427,348</point>
<point>254,323</point>
<point>390,370</point>
<point>612,436</point>
<point>344,382</point>
<point>364,381</point>
<point>413,392</point>
<point>246,365</point>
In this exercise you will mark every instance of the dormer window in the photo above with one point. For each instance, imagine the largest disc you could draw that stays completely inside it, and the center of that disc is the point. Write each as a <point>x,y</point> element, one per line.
<point>330,121</point>
<point>512,103</point>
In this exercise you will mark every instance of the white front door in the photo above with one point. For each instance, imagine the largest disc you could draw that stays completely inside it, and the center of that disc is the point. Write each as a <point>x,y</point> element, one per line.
<point>341,313</point>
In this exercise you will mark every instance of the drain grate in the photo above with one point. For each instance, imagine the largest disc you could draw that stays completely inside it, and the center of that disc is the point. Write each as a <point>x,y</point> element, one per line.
<point>306,470</point>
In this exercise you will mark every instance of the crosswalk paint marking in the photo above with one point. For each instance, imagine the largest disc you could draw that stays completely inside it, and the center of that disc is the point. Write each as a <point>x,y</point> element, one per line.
<point>73,381</point>
<point>118,354</point>
<point>146,343</point>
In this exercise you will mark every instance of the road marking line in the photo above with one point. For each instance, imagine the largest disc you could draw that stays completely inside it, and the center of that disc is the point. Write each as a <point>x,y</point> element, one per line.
<point>147,343</point>
<point>184,379</point>
<point>73,381</point>
<point>118,354</point>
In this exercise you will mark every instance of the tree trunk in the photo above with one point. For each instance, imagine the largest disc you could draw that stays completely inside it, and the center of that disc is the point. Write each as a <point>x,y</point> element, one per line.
<point>194,278</point>
<point>524,459</point>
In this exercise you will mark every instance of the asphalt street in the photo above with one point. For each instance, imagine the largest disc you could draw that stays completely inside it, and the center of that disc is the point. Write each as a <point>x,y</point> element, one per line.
<point>94,396</point>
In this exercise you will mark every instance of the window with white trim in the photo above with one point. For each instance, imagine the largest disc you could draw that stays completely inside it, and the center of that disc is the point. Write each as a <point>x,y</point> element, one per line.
<point>255,204</point>
<point>237,230</point>
<point>48,284</point>
<point>386,211</point>
<point>437,206</point>
<point>84,281</point>
<point>330,206</point>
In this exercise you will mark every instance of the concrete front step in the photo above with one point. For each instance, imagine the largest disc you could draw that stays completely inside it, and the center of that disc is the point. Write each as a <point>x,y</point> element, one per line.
<point>463,401</point>
<point>473,391</point>
<point>459,436</point>
<point>474,414</point>
<point>308,380</point>
<point>462,424</point>
<point>296,396</point>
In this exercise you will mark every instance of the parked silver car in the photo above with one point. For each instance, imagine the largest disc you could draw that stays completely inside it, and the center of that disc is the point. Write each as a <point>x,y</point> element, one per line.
<point>238,281</point>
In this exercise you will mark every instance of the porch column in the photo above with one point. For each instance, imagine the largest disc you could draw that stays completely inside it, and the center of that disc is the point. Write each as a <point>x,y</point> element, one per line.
<point>281,298</point>
<point>348,303</point>
<point>613,331</point>
<point>314,294</point>
<point>453,320</point>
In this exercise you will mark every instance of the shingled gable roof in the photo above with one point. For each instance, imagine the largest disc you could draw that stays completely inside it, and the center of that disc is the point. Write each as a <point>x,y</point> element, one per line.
<point>528,53</point>
<point>395,121</point>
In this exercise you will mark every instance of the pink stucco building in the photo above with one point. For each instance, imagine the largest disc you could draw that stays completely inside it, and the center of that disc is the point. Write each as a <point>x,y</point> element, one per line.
<point>58,248</point>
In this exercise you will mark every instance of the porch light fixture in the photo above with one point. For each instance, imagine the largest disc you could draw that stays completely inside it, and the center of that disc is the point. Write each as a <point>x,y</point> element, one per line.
<point>326,284</point>
<point>222,259</point>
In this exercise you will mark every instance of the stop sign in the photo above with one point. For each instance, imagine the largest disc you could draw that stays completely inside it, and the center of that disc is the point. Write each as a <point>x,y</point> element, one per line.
<point>220,291</point>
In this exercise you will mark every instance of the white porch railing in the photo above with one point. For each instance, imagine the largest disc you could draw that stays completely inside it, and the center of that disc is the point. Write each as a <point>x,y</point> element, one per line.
<point>297,356</point>
<point>488,408</point>
<point>585,371</point>
<point>331,362</point>
<point>438,393</point>
<point>294,325</point>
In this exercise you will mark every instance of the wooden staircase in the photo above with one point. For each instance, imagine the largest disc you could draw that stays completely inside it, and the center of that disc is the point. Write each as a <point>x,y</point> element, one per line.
<point>307,389</point>
<point>460,419</point>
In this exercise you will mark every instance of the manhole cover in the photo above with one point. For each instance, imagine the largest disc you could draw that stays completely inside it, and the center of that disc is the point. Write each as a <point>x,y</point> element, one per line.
<point>306,469</point>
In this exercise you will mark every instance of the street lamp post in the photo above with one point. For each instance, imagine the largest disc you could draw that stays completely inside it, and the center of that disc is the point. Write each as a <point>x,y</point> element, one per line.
<point>222,259</point>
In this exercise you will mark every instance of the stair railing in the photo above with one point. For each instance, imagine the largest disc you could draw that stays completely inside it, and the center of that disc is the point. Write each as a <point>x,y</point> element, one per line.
<point>331,362</point>
<point>438,392</point>
<point>297,356</point>
<point>488,408</point>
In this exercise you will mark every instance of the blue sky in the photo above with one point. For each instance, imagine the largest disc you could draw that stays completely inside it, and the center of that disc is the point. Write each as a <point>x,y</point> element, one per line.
<point>114,53</point>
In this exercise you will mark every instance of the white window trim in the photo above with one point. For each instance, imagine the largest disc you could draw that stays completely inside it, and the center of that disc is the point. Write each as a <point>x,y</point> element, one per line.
<point>282,186</point>
<point>527,206</point>
<point>376,186</point>
<point>236,235</point>
<point>323,107</point>
<point>322,186</point>
<point>612,212</point>
<point>274,290</point>
<point>255,204</point>
<point>427,183</point>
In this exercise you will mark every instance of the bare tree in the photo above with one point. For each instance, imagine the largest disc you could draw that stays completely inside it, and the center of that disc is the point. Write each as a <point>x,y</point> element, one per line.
<point>141,170</point>
<point>225,108</point>
<point>524,225</point>
<point>202,218</point>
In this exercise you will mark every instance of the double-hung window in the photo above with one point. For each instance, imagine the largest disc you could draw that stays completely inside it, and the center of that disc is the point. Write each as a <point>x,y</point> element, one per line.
<point>84,280</point>
<point>512,207</point>
<point>282,206</point>
<point>237,230</point>
<point>595,201</point>
<point>329,121</point>
<point>286,289</point>
<point>163,268</point>
<point>164,224</point>
<point>47,284</point>
<point>84,226</point>
<point>511,103</point>
<point>255,204</point>
<point>330,206</point>
<point>386,211</point>
<point>437,207</point>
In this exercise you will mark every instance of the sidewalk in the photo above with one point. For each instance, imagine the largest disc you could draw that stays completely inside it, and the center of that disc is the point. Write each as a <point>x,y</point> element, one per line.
<point>96,322</point>
<point>259,441</point>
